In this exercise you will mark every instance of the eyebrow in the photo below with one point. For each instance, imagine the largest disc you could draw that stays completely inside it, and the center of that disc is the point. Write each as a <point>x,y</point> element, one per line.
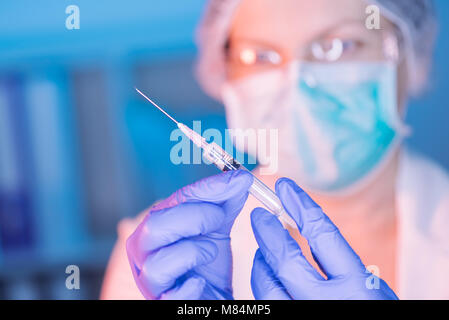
<point>320,34</point>
<point>341,24</point>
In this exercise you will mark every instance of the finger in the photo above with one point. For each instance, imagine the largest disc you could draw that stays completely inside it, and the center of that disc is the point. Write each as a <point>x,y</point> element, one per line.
<point>264,283</point>
<point>167,226</point>
<point>191,289</point>
<point>191,211</point>
<point>282,253</point>
<point>163,267</point>
<point>216,189</point>
<point>332,252</point>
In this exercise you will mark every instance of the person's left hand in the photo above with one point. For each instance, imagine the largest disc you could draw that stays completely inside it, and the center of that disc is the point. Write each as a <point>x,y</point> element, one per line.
<point>280,270</point>
<point>182,249</point>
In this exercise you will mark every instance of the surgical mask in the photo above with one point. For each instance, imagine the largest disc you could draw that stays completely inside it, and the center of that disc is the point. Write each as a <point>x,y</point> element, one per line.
<point>337,123</point>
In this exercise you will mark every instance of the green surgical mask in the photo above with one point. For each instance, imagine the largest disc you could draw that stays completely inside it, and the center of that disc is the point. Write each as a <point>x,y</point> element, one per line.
<point>337,122</point>
<point>353,122</point>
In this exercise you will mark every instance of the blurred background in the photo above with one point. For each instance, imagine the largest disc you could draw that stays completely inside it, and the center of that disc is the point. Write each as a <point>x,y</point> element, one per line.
<point>80,150</point>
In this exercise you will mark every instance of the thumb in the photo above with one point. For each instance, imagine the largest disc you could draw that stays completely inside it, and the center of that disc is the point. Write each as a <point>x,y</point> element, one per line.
<point>228,190</point>
<point>215,189</point>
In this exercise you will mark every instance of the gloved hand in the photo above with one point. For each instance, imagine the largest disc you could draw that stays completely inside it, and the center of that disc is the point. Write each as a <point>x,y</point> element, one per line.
<point>280,270</point>
<point>181,250</point>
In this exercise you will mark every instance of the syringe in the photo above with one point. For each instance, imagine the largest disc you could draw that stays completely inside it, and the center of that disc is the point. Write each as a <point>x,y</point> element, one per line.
<point>223,161</point>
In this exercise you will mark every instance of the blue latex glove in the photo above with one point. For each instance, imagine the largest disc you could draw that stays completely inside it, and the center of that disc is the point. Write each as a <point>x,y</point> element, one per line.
<point>280,270</point>
<point>181,250</point>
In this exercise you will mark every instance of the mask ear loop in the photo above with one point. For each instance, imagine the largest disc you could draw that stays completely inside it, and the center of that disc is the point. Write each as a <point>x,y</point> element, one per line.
<point>394,55</point>
<point>393,46</point>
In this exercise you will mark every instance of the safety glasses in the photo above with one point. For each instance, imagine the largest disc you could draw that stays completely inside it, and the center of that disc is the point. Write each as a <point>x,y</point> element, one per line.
<point>355,43</point>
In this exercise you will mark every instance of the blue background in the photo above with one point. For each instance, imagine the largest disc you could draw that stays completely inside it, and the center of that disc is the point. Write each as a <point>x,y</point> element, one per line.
<point>110,149</point>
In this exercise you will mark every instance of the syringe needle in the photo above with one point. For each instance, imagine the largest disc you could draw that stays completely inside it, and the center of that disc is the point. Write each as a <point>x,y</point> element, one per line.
<point>192,135</point>
<point>154,104</point>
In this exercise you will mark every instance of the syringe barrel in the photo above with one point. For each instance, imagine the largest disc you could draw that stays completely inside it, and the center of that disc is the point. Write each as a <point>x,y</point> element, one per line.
<point>267,196</point>
<point>270,200</point>
<point>258,189</point>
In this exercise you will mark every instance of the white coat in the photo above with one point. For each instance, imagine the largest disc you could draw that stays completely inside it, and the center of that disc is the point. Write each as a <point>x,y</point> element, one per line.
<point>422,271</point>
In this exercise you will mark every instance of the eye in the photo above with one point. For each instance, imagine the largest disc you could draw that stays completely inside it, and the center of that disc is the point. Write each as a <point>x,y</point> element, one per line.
<point>332,50</point>
<point>250,57</point>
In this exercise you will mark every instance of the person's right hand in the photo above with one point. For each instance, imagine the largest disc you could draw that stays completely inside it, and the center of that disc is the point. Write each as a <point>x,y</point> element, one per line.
<point>181,250</point>
<point>280,270</point>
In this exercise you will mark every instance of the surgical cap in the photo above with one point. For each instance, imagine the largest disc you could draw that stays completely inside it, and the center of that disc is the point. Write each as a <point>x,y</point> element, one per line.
<point>416,20</point>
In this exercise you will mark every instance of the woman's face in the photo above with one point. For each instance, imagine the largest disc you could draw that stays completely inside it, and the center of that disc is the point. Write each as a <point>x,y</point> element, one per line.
<point>267,34</point>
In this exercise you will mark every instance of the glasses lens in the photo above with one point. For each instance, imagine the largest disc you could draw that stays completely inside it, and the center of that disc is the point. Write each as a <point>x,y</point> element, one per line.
<point>375,46</point>
<point>361,46</point>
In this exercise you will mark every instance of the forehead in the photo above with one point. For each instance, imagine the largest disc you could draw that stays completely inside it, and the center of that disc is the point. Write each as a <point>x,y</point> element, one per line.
<point>290,20</point>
